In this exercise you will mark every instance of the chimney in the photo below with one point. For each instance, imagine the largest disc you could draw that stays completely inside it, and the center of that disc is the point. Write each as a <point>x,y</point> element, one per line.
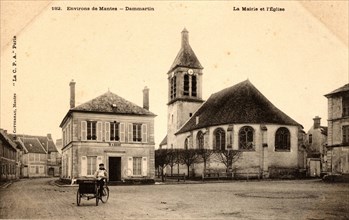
<point>317,122</point>
<point>72,93</point>
<point>185,37</point>
<point>197,119</point>
<point>146,98</point>
<point>49,136</point>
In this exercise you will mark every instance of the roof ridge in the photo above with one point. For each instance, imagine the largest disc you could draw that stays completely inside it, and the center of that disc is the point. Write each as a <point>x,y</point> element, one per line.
<point>240,103</point>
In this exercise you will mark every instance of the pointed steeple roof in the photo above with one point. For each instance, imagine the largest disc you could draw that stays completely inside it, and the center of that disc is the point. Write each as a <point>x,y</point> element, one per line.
<point>239,104</point>
<point>186,56</point>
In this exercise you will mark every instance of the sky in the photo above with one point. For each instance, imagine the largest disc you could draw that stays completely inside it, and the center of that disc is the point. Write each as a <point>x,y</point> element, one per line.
<point>290,56</point>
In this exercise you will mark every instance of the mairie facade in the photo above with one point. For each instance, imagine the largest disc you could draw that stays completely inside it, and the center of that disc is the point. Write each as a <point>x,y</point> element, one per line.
<point>109,130</point>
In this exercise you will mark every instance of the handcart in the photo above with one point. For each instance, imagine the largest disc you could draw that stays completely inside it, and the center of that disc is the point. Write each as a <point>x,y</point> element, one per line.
<point>88,189</point>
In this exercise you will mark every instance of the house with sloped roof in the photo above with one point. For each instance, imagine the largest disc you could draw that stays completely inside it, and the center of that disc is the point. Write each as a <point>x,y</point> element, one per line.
<point>9,162</point>
<point>236,118</point>
<point>315,142</point>
<point>338,131</point>
<point>110,130</point>
<point>39,155</point>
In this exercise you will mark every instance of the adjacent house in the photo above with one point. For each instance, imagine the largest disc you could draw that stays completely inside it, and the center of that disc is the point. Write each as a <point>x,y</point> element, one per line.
<point>236,118</point>
<point>338,131</point>
<point>9,161</point>
<point>111,130</point>
<point>316,140</point>
<point>39,156</point>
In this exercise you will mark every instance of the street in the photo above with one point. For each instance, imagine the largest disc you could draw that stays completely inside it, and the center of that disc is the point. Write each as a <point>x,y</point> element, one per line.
<point>291,199</point>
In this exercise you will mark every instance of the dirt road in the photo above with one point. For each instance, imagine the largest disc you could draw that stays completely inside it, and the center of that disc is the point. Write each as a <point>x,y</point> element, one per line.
<point>309,199</point>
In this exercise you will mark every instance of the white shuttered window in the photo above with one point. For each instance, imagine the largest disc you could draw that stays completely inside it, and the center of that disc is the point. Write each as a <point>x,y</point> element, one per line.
<point>144,133</point>
<point>83,130</point>
<point>122,132</point>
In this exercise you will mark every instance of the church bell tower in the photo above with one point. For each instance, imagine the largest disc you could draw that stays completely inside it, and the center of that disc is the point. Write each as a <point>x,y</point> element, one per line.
<point>184,89</point>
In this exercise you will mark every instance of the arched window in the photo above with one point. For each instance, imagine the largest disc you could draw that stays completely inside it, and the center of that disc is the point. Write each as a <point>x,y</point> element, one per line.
<point>246,138</point>
<point>173,87</point>
<point>200,140</point>
<point>186,85</point>
<point>282,139</point>
<point>193,86</point>
<point>219,139</point>
<point>186,144</point>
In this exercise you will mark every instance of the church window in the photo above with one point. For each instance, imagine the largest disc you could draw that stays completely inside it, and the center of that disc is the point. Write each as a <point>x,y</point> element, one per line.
<point>345,105</point>
<point>173,87</point>
<point>219,139</point>
<point>193,86</point>
<point>246,138</point>
<point>310,138</point>
<point>186,144</point>
<point>200,140</point>
<point>345,131</point>
<point>186,85</point>
<point>282,139</point>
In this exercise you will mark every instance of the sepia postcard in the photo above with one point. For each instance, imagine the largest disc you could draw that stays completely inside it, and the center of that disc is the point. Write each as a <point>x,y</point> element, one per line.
<point>293,52</point>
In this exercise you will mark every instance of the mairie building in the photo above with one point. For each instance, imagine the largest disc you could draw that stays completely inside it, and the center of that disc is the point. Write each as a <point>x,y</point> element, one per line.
<point>111,130</point>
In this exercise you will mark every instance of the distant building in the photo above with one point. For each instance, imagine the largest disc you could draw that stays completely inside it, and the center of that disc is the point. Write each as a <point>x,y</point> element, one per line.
<point>39,155</point>
<point>238,118</point>
<point>338,130</point>
<point>316,140</point>
<point>59,145</point>
<point>9,162</point>
<point>110,130</point>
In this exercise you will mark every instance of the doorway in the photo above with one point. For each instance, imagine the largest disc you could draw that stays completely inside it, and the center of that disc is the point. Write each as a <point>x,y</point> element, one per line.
<point>51,171</point>
<point>114,168</point>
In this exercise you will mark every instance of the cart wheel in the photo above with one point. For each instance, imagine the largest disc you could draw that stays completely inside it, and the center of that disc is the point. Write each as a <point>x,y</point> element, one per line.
<point>105,195</point>
<point>78,197</point>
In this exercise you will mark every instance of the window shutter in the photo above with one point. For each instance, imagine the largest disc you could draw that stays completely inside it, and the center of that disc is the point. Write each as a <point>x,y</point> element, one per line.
<point>99,131</point>
<point>83,130</point>
<point>83,166</point>
<point>130,166</point>
<point>144,166</point>
<point>122,132</point>
<point>130,132</point>
<point>107,131</point>
<point>144,133</point>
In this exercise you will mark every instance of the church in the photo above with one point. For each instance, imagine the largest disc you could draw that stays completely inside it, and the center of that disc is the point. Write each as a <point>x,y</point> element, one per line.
<point>236,118</point>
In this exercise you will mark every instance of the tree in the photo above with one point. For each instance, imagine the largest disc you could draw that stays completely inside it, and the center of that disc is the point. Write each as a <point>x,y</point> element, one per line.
<point>227,157</point>
<point>171,158</point>
<point>188,157</point>
<point>205,155</point>
<point>161,160</point>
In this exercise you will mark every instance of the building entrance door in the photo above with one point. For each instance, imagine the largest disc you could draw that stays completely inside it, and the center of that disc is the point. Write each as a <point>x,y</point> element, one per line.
<point>114,168</point>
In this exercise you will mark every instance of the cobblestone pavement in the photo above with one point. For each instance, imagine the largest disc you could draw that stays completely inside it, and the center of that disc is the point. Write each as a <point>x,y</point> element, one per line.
<point>308,199</point>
